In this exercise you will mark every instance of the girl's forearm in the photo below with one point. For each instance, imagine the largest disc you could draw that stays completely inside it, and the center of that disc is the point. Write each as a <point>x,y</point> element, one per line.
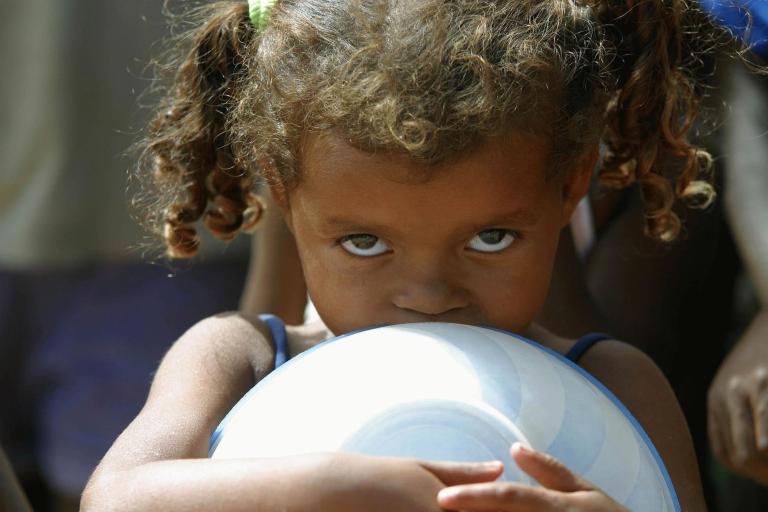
<point>290,484</point>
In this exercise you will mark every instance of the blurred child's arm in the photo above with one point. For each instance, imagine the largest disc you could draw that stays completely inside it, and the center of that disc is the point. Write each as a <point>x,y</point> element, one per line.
<point>738,396</point>
<point>570,309</point>
<point>738,404</point>
<point>159,462</point>
<point>275,282</point>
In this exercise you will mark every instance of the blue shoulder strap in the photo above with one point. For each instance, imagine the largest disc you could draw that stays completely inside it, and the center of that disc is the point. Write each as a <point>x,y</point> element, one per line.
<point>585,343</point>
<point>279,337</point>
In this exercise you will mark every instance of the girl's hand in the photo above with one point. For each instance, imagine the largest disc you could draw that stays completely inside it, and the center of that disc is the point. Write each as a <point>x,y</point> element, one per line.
<point>358,483</point>
<point>562,490</point>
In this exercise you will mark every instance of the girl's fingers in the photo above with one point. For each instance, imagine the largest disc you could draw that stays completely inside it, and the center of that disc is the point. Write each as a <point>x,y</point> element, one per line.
<point>548,471</point>
<point>455,473</point>
<point>563,490</point>
<point>500,497</point>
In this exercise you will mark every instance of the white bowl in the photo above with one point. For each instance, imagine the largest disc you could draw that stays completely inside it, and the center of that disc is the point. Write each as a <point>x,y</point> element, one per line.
<point>448,392</point>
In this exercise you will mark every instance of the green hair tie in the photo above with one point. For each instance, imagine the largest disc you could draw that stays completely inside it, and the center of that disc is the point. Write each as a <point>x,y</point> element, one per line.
<point>259,12</point>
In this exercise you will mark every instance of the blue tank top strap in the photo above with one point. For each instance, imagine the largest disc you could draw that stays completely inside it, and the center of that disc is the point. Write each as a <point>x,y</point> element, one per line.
<point>585,343</point>
<point>279,337</point>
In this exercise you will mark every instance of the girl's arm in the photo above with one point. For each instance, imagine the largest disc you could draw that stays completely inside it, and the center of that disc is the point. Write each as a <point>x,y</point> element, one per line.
<point>159,462</point>
<point>205,372</point>
<point>275,282</point>
<point>319,482</point>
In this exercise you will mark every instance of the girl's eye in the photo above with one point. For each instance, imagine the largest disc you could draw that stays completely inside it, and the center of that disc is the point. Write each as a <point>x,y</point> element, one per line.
<point>492,240</point>
<point>363,244</point>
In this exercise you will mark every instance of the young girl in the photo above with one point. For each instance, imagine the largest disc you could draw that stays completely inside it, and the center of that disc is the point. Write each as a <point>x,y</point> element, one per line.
<point>425,156</point>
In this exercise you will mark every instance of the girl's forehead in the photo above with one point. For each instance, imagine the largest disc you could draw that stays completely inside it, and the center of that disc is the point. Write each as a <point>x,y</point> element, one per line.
<point>326,154</point>
<point>337,176</point>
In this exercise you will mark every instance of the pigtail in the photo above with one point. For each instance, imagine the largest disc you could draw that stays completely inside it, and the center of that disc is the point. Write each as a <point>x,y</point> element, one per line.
<point>188,149</point>
<point>652,111</point>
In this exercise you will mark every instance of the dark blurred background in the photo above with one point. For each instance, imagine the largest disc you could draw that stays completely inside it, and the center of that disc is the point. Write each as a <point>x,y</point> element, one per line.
<point>84,316</point>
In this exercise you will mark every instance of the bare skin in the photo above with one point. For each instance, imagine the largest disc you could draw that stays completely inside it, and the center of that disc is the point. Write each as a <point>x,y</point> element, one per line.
<point>738,405</point>
<point>473,244</point>
<point>738,396</point>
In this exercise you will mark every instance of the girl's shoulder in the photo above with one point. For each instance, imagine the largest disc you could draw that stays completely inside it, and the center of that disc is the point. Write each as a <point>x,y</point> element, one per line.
<point>614,363</point>
<point>625,370</point>
<point>226,341</point>
<point>211,366</point>
<point>621,367</point>
<point>243,336</point>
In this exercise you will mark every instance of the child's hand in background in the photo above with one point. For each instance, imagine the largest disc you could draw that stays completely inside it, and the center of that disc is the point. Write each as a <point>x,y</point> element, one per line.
<point>561,490</point>
<point>738,405</point>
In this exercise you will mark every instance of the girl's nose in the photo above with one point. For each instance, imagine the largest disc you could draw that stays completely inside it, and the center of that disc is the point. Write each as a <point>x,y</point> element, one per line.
<point>430,295</point>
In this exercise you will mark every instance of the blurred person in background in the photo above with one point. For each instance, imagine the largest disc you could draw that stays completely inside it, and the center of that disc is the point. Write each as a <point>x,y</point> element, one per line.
<point>738,396</point>
<point>84,317</point>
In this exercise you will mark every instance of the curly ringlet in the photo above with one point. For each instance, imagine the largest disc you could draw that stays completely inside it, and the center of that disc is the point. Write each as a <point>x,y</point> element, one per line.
<point>428,79</point>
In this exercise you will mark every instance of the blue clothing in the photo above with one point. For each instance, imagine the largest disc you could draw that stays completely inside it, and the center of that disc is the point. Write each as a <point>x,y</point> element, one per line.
<point>583,344</point>
<point>733,15</point>
<point>279,337</point>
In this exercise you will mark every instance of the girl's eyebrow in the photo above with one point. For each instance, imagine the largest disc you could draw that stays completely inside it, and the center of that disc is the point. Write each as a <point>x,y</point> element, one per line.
<point>517,218</point>
<point>520,217</point>
<point>354,224</point>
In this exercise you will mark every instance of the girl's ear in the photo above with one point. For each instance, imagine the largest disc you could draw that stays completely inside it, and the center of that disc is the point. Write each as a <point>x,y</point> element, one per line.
<point>278,195</point>
<point>576,184</point>
<point>279,198</point>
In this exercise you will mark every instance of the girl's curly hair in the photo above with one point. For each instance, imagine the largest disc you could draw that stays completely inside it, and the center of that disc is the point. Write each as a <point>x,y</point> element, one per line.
<point>428,79</point>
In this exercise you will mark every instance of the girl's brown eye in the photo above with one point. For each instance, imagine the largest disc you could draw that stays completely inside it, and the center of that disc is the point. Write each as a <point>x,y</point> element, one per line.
<point>364,244</point>
<point>492,240</point>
